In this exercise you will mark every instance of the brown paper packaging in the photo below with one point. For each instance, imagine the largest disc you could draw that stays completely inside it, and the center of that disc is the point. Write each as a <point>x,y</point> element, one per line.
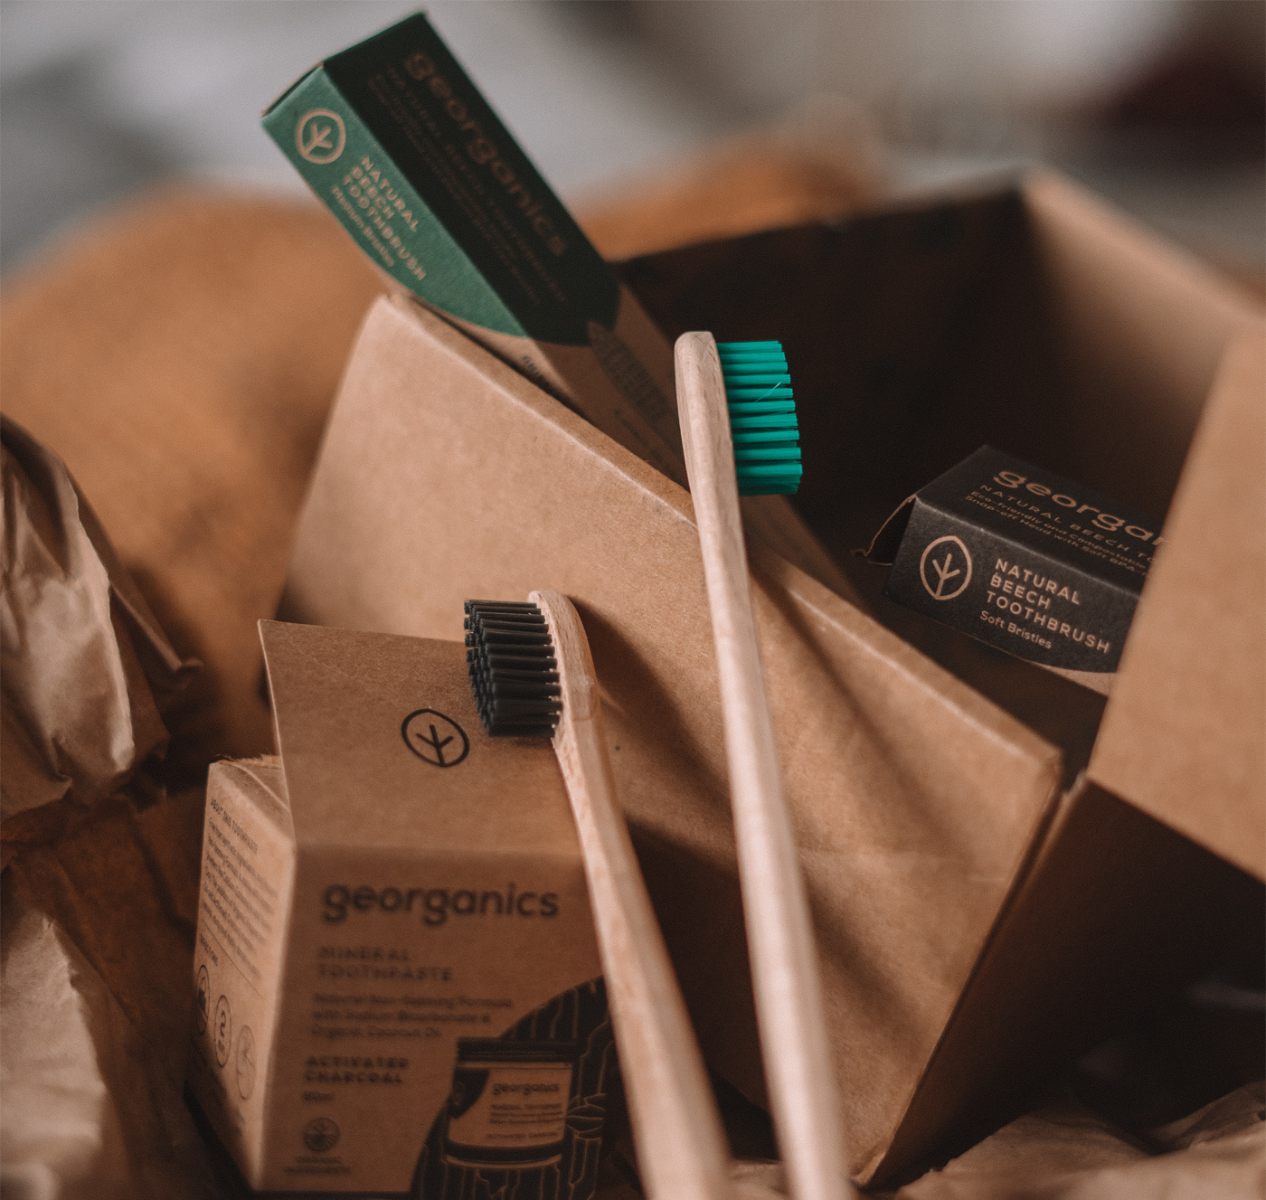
<point>442,512</point>
<point>925,813</point>
<point>85,665</point>
<point>98,896</point>
<point>1040,320</point>
<point>372,897</point>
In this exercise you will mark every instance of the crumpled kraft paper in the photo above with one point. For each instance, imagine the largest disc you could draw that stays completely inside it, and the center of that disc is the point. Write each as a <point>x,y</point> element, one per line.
<point>1064,1151</point>
<point>84,666</point>
<point>100,885</point>
<point>91,1107</point>
<point>179,354</point>
<point>97,942</point>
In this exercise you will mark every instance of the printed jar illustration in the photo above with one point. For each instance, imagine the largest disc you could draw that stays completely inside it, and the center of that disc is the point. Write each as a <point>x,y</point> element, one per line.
<point>508,1106</point>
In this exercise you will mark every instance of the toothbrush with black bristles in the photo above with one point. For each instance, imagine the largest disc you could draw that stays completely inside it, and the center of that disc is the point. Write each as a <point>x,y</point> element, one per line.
<point>739,432</point>
<point>533,676</point>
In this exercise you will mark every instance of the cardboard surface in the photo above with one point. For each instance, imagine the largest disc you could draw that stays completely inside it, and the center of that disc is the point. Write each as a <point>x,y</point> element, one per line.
<point>1114,910</point>
<point>244,910</point>
<point>1185,738</point>
<point>353,712</point>
<point>1141,326</point>
<point>1036,319</point>
<point>415,506</point>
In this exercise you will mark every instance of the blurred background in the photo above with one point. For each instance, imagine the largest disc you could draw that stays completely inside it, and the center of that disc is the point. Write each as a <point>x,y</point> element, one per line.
<point>1157,104</point>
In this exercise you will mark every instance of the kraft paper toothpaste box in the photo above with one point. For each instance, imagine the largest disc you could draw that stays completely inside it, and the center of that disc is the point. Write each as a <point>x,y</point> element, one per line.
<point>396,981</point>
<point>397,141</point>
<point>1024,560</point>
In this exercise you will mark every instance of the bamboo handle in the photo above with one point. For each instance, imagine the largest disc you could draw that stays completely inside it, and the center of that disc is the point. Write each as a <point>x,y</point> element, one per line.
<point>681,1147</point>
<point>790,1012</point>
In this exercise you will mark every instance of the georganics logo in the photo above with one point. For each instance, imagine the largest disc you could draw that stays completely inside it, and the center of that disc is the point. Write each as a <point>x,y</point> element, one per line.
<point>434,905</point>
<point>945,568</point>
<point>483,151</point>
<point>320,136</point>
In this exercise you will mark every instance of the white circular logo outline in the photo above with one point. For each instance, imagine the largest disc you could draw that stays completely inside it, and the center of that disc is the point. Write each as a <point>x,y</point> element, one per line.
<point>923,577</point>
<point>310,151</point>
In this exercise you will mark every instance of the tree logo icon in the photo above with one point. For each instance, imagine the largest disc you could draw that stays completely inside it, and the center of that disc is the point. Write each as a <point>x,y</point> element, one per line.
<point>320,136</point>
<point>435,738</point>
<point>945,568</point>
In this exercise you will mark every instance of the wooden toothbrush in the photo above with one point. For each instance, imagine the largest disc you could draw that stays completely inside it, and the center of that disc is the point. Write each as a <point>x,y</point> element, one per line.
<point>533,676</point>
<point>745,386</point>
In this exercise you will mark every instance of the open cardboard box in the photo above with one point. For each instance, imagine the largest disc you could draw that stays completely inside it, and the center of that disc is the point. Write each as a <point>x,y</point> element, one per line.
<point>985,906</point>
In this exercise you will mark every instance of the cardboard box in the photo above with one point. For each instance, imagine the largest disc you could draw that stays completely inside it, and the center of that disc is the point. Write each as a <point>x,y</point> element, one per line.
<point>1039,319</point>
<point>936,838</point>
<point>396,980</point>
<point>572,511</point>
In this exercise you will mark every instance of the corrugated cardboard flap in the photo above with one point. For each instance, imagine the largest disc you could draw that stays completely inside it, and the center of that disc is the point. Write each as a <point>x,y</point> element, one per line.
<point>352,710</point>
<point>1184,736</point>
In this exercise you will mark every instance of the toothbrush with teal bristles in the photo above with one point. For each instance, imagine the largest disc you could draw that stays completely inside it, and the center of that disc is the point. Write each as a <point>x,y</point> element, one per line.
<point>762,417</point>
<point>739,432</point>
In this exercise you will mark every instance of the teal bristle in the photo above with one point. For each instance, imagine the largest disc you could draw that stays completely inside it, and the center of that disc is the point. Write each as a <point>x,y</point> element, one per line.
<point>762,417</point>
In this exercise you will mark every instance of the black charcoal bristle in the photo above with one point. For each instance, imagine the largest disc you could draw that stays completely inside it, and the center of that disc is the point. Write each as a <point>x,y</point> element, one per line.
<point>510,656</point>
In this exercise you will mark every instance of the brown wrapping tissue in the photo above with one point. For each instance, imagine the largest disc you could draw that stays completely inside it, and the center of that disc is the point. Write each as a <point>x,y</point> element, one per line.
<point>85,665</point>
<point>1064,1150</point>
<point>98,898</point>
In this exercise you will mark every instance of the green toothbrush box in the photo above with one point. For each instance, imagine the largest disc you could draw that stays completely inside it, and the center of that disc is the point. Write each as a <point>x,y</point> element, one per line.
<point>397,141</point>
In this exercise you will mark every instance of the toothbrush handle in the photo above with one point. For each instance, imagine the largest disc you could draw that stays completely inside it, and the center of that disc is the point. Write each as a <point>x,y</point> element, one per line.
<point>681,1146</point>
<point>789,1006</point>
